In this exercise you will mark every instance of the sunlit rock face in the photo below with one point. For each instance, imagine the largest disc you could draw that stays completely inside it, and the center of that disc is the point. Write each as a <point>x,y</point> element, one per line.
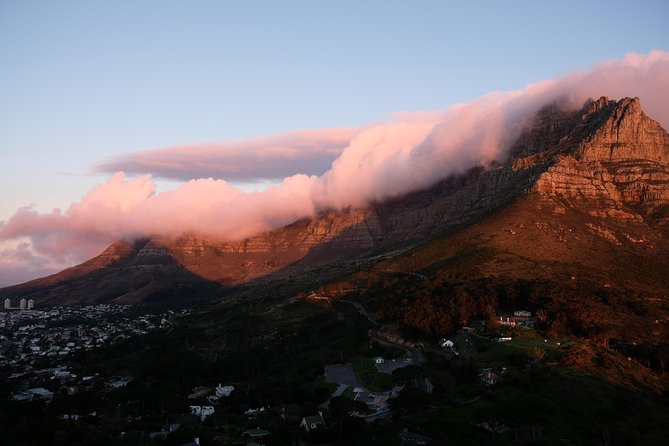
<point>615,155</point>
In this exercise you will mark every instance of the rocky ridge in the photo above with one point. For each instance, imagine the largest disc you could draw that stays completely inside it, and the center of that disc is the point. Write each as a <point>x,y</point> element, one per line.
<point>608,159</point>
<point>616,155</point>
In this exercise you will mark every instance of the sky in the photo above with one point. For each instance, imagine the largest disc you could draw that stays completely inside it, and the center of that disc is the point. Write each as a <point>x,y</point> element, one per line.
<point>237,96</point>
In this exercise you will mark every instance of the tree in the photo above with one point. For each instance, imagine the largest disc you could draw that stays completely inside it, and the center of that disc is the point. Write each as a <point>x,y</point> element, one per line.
<point>342,407</point>
<point>491,324</point>
<point>577,355</point>
<point>411,400</point>
<point>662,356</point>
<point>537,353</point>
<point>408,374</point>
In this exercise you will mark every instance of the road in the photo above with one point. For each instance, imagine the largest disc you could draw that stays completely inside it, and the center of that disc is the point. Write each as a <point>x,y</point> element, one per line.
<point>362,310</point>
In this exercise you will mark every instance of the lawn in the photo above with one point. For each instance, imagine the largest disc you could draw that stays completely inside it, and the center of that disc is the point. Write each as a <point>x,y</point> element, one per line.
<point>370,377</point>
<point>500,351</point>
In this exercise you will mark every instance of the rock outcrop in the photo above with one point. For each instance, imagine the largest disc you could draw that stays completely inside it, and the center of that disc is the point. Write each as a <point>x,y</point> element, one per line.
<point>616,155</point>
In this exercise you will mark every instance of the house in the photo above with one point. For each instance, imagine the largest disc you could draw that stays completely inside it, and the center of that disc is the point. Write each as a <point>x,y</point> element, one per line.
<point>118,382</point>
<point>489,377</point>
<point>202,411</point>
<point>254,412</point>
<point>522,313</point>
<point>411,438</point>
<point>508,321</point>
<point>224,390</point>
<point>39,393</point>
<point>200,392</point>
<point>161,435</point>
<point>312,422</point>
<point>446,343</point>
<point>256,434</point>
<point>494,426</point>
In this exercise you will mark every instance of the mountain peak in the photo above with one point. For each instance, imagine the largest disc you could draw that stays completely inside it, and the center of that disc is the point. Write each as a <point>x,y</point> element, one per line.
<point>620,130</point>
<point>614,154</point>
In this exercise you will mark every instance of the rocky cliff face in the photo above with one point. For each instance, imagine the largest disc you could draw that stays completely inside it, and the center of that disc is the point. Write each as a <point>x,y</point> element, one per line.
<point>608,157</point>
<point>615,155</point>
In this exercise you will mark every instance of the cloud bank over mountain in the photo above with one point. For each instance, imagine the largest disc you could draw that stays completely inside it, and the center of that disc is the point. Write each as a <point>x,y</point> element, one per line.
<point>273,158</point>
<point>407,152</point>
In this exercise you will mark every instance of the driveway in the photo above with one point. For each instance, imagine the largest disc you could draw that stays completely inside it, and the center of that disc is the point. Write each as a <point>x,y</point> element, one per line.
<point>390,365</point>
<point>344,375</point>
<point>341,374</point>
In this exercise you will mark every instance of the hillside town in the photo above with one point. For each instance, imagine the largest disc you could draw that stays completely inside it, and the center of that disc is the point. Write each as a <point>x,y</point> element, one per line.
<point>35,342</point>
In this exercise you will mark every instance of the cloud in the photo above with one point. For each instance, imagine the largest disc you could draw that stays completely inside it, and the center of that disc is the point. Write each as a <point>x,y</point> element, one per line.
<point>309,152</point>
<point>18,263</point>
<point>409,152</point>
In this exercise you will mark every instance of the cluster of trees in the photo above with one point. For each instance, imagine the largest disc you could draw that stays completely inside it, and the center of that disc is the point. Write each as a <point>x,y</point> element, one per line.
<point>429,308</point>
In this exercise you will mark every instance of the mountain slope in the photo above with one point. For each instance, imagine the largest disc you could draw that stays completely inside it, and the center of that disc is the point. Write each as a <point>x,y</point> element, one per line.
<point>585,191</point>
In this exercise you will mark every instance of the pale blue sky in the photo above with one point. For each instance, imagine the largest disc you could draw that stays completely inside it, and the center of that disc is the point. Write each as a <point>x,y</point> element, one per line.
<point>82,81</point>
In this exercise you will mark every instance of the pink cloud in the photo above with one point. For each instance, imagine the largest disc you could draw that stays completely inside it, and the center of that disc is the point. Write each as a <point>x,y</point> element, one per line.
<point>19,263</point>
<point>309,152</point>
<point>410,152</point>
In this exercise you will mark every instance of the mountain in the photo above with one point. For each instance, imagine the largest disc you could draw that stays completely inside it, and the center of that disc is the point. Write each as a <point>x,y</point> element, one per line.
<point>583,194</point>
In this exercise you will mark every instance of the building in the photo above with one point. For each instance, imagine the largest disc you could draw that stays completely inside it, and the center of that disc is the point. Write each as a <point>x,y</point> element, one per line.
<point>38,393</point>
<point>256,434</point>
<point>224,390</point>
<point>162,435</point>
<point>23,304</point>
<point>446,343</point>
<point>409,437</point>
<point>202,411</point>
<point>489,377</point>
<point>508,321</point>
<point>8,303</point>
<point>31,304</point>
<point>522,313</point>
<point>312,422</point>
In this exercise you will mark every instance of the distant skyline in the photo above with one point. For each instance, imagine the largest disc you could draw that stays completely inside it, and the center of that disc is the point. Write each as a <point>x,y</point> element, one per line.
<point>85,84</point>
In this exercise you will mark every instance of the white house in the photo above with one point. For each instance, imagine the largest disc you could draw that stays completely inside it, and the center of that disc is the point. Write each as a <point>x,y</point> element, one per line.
<point>446,343</point>
<point>254,412</point>
<point>224,390</point>
<point>202,411</point>
<point>37,393</point>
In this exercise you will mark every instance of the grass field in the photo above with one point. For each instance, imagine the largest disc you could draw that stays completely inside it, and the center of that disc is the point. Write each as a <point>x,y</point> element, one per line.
<point>370,377</point>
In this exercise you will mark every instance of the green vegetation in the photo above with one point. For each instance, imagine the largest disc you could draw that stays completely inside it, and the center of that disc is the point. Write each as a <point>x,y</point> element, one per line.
<point>370,377</point>
<point>348,392</point>
<point>603,390</point>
